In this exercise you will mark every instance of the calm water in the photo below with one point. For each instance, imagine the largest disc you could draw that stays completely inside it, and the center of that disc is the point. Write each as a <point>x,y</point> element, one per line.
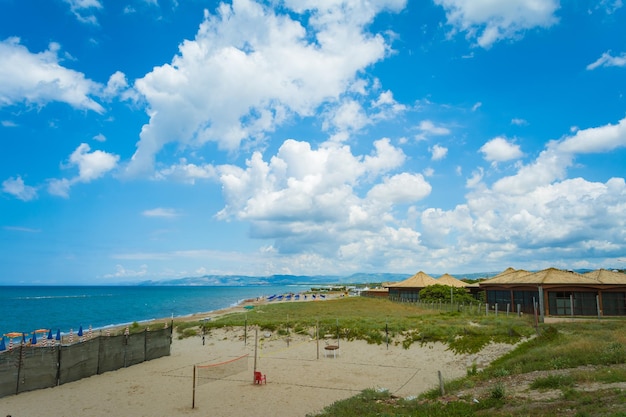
<point>25,309</point>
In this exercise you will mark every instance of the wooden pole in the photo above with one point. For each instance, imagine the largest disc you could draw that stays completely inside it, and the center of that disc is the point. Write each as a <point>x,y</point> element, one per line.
<point>441,386</point>
<point>317,337</point>
<point>193,397</point>
<point>387,333</point>
<point>256,341</point>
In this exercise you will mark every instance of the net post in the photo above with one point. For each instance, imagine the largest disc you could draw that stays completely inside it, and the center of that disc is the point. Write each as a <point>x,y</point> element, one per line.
<point>193,395</point>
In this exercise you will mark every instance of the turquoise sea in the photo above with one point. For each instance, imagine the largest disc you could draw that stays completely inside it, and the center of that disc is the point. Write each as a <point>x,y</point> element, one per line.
<point>28,308</point>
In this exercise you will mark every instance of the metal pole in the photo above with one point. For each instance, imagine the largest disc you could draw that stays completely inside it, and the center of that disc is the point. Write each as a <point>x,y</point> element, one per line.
<point>256,341</point>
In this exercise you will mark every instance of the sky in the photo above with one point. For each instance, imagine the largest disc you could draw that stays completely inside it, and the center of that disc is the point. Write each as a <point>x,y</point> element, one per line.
<point>158,139</point>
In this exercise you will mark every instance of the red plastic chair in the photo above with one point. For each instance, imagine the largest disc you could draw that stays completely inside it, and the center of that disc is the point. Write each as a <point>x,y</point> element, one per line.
<point>259,378</point>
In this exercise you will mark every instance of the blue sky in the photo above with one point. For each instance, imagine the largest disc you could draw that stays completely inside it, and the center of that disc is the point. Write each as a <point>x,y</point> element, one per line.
<point>156,139</point>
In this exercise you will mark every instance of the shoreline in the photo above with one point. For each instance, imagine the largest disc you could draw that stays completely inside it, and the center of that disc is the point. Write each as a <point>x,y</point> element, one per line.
<point>240,307</point>
<point>302,376</point>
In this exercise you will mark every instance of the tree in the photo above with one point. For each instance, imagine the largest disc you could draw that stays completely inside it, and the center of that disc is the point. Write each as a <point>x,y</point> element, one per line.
<point>442,293</point>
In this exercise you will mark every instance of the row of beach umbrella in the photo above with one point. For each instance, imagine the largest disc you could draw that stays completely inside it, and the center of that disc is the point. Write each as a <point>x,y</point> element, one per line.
<point>48,340</point>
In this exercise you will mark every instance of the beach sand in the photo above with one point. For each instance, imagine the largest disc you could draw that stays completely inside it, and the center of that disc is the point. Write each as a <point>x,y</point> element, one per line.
<point>298,381</point>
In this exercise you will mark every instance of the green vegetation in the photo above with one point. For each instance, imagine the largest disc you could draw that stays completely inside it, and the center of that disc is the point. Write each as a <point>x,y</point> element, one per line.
<point>555,363</point>
<point>372,319</point>
<point>446,294</point>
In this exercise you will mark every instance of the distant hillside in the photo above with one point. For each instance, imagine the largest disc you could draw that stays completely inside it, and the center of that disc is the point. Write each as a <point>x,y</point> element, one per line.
<point>357,278</point>
<point>242,280</point>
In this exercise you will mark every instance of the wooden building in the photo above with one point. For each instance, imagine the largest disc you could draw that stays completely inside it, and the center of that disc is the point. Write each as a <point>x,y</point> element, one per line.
<point>556,292</point>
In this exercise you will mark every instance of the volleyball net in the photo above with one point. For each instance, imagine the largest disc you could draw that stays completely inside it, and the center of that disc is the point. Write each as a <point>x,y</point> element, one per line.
<point>203,374</point>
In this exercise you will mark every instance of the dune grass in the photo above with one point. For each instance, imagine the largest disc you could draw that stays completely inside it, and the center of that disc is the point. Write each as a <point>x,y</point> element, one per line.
<point>564,347</point>
<point>371,319</point>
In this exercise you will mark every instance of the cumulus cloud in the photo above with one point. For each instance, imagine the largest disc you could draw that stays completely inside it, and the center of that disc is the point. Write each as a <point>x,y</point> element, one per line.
<point>319,199</point>
<point>251,68</point>
<point>17,188</point>
<point>438,152</point>
<point>91,166</point>
<point>597,139</point>
<point>608,60</point>
<point>535,211</point>
<point>39,78</point>
<point>487,22</point>
<point>499,149</point>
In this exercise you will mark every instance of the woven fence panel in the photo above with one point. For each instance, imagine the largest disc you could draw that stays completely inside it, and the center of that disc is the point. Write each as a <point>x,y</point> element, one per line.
<point>9,366</point>
<point>39,368</point>
<point>78,361</point>
<point>135,349</point>
<point>112,350</point>
<point>158,343</point>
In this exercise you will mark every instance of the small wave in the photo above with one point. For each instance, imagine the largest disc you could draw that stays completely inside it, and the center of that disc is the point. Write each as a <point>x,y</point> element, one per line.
<point>60,297</point>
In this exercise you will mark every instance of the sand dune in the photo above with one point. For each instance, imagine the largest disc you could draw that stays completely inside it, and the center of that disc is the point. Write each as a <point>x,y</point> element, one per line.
<point>299,383</point>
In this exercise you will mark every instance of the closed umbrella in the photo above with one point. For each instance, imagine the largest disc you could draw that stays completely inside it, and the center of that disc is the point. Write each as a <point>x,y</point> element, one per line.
<point>33,340</point>
<point>80,333</point>
<point>58,335</point>
<point>2,345</point>
<point>49,340</point>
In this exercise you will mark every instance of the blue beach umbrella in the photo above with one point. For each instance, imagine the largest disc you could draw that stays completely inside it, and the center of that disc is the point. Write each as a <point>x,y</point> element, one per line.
<point>58,335</point>
<point>23,338</point>
<point>3,346</point>
<point>50,334</point>
<point>33,341</point>
<point>80,331</point>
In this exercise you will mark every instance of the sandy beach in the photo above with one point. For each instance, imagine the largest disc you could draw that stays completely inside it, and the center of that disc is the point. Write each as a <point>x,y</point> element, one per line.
<point>302,378</point>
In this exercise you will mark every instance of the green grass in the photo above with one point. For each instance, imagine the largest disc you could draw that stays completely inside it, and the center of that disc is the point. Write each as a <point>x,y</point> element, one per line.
<point>361,318</point>
<point>598,344</point>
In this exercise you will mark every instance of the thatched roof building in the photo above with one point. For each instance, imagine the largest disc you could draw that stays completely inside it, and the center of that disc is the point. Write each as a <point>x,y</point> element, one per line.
<point>558,292</point>
<point>447,279</point>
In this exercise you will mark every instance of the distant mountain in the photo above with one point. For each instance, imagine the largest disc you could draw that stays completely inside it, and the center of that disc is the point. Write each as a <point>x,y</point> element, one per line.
<point>243,280</point>
<point>357,278</point>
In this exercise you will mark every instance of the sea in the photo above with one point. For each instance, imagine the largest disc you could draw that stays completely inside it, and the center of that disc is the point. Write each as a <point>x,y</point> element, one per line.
<point>25,309</point>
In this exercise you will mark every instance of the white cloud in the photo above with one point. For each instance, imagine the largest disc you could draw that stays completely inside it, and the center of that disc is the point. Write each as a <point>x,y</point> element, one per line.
<point>487,21</point>
<point>100,138</point>
<point>537,211</point>
<point>610,6</point>
<point>17,188</point>
<point>608,60</point>
<point>598,139</point>
<point>319,199</point>
<point>122,272</point>
<point>499,149</point>
<point>161,212</point>
<point>91,166</point>
<point>401,189</point>
<point>428,128</point>
<point>59,187</point>
<point>518,122</point>
<point>438,152</point>
<point>349,116</point>
<point>116,85</point>
<point>40,79</point>
<point>187,172</point>
<point>83,10</point>
<point>250,68</point>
